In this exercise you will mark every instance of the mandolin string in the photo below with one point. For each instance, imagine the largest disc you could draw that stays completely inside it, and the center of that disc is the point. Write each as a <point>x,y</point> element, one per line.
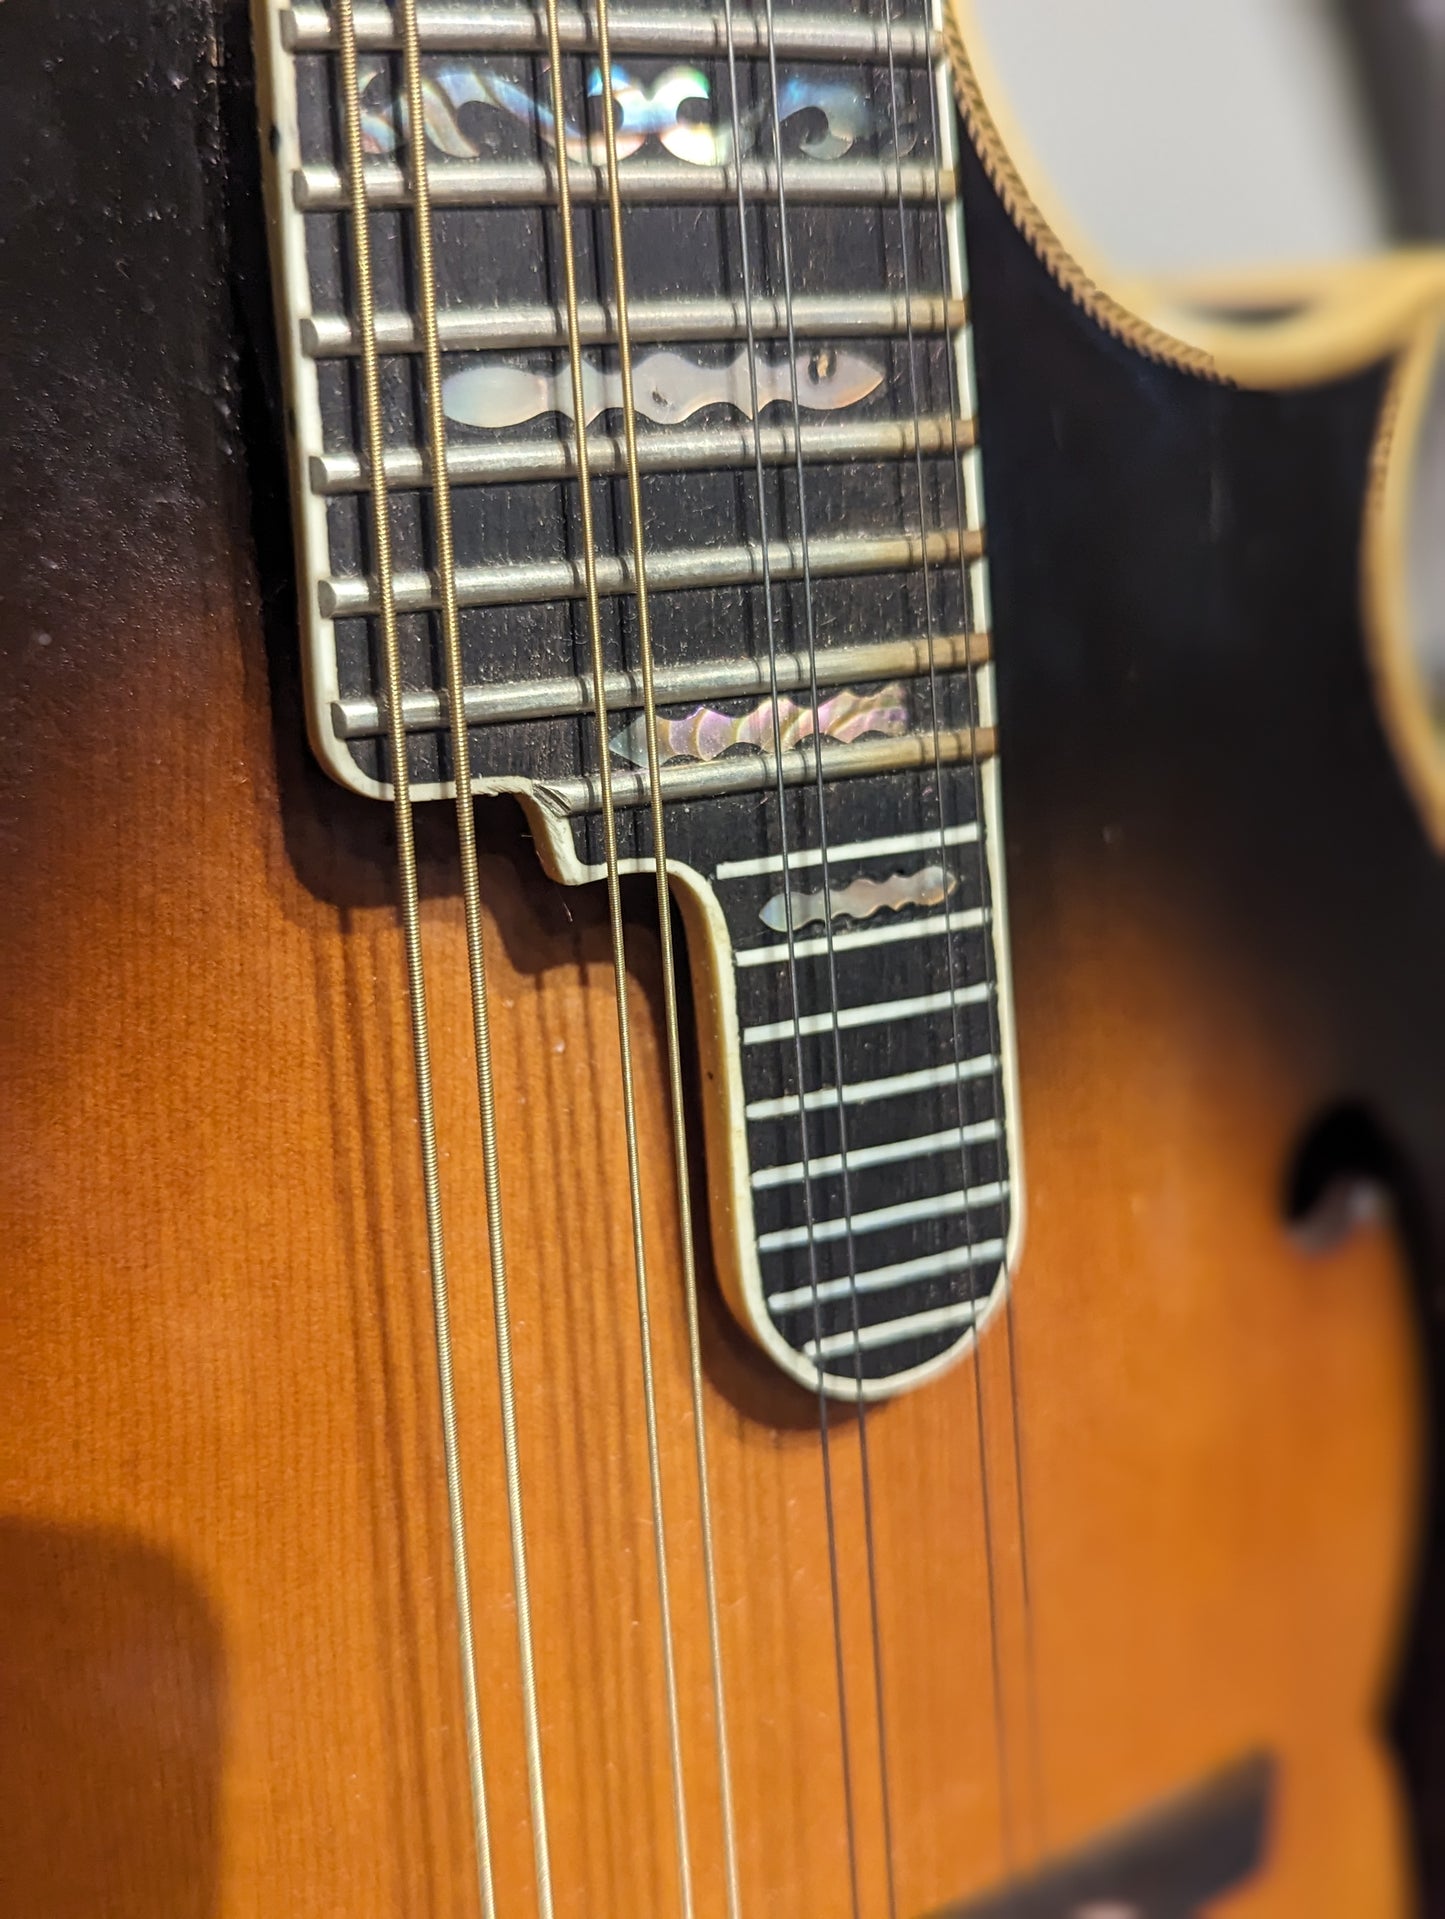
<point>995,1650</point>
<point>411,926</point>
<point>476,958</point>
<point>810,624</point>
<point>939,82</point>
<point>811,632</point>
<point>824,1421</point>
<point>682,1170</point>
<point>618,939</point>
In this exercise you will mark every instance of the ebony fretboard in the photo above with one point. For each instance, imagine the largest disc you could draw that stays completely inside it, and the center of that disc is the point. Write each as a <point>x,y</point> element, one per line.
<point>814,574</point>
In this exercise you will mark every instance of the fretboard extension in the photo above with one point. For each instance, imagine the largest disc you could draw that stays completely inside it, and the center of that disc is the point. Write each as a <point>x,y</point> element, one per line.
<point>872,1078</point>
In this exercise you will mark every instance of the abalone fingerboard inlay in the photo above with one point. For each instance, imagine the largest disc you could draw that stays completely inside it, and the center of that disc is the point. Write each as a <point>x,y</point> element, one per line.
<point>815,574</point>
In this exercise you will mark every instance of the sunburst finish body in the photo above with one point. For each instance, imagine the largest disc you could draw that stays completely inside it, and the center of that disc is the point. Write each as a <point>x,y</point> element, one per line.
<point>227,1662</point>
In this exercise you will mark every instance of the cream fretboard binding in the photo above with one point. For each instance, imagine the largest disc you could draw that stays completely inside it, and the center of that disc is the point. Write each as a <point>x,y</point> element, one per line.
<point>849,931</point>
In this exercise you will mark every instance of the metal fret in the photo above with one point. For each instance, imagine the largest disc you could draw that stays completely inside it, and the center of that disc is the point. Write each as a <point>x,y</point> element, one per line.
<point>938,1319</point>
<point>354,597</point>
<point>702,450</point>
<point>865,1092</point>
<point>952,1140</point>
<point>664,31</point>
<point>891,844</point>
<point>650,323</point>
<point>847,1019</point>
<point>556,699</point>
<point>761,771</point>
<point>824,945</point>
<point>518,183</point>
<point>905,1212</point>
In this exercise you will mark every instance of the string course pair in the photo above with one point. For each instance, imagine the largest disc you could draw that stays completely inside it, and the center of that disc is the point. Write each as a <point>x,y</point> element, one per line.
<point>445,559</point>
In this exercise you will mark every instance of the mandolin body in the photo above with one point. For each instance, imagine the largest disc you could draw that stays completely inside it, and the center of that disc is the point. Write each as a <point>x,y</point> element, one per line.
<point>228,1677</point>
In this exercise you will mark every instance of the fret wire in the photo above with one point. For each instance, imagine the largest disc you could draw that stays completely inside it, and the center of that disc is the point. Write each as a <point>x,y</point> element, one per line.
<point>973,1305</point>
<point>940,97</point>
<point>416,979</point>
<point>824,1421</point>
<point>810,621</point>
<point>681,1169</point>
<point>566,698</point>
<point>794,767</point>
<point>707,450</point>
<point>454,29</point>
<point>836,557</point>
<point>463,183</point>
<point>476,954</point>
<point>562,175</point>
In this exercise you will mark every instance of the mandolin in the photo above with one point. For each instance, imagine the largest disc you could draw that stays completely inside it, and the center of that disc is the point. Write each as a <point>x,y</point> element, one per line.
<point>724,1082</point>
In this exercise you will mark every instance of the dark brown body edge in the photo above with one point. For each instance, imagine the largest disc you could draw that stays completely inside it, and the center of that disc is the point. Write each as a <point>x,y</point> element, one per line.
<point>1184,691</point>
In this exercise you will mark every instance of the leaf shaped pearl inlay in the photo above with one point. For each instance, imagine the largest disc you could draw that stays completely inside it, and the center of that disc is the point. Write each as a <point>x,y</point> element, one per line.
<point>669,109</point>
<point>860,900</point>
<point>708,734</point>
<point>667,388</point>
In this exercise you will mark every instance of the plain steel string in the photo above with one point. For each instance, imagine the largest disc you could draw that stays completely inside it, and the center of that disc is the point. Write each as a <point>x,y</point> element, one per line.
<point>990,1562</point>
<point>619,944</point>
<point>669,970</point>
<point>824,1423</point>
<point>476,957</point>
<point>411,925</point>
<point>1015,1409</point>
<point>811,631</point>
<point>945,249</point>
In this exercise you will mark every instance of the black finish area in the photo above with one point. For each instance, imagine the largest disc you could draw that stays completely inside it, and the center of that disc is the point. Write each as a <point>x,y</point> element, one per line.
<point>1169,1863</point>
<point>1187,718</point>
<point>880,1218</point>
